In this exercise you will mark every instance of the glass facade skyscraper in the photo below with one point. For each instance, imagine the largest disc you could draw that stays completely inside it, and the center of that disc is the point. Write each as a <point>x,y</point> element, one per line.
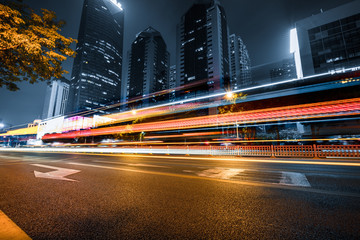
<point>56,98</point>
<point>172,82</point>
<point>240,64</point>
<point>96,75</point>
<point>148,66</point>
<point>203,48</point>
<point>330,40</point>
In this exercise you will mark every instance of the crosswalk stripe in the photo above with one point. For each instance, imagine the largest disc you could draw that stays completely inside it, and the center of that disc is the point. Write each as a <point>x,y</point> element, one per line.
<point>294,179</point>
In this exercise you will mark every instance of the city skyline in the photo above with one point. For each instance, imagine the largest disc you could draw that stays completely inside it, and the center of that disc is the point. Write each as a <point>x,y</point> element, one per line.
<point>284,16</point>
<point>191,119</point>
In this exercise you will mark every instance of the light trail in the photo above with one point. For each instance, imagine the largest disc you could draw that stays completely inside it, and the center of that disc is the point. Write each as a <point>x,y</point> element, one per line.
<point>305,111</point>
<point>222,94</point>
<point>100,152</point>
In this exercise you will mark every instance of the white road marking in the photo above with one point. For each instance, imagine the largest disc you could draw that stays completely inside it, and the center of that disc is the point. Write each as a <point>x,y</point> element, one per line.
<point>294,179</point>
<point>132,164</point>
<point>59,174</point>
<point>222,173</point>
<point>247,183</point>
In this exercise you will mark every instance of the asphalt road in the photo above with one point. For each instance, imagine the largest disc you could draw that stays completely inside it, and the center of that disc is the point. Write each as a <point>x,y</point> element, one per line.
<point>83,196</point>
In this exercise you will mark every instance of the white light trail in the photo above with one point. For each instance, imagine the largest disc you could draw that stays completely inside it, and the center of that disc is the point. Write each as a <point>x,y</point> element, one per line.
<point>222,94</point>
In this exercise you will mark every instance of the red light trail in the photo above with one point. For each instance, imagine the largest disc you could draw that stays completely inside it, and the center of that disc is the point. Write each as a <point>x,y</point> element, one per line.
<point>305,111</point>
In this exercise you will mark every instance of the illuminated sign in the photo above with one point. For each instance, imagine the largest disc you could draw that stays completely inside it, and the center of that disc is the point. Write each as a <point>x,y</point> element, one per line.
<point>117,4</point>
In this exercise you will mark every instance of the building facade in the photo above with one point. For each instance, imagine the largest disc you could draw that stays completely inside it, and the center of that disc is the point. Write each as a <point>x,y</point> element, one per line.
<point>172,83</point>
<point>240,64</point>
<point>283,70</point>
<point>96,75</point>
<point>330,40</point>
<point>274,72</point>
<point>56,98</point>
<point>148,70</point>
<point>203,48</point>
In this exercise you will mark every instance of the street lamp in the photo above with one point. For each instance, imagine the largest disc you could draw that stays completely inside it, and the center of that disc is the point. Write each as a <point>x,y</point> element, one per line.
<point>232,97</point>
<point>229,95</point>
<point>2,125</point>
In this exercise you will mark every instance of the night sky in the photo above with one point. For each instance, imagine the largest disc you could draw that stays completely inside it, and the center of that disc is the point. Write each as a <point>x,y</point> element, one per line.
<point>263,25</point>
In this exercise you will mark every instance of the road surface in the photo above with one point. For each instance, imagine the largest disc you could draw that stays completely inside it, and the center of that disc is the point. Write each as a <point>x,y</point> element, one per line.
<point>104,196</point>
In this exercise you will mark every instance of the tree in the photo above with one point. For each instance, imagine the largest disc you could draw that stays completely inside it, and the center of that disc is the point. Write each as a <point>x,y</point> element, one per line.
<point>234,107</point>
<point>31,46</point>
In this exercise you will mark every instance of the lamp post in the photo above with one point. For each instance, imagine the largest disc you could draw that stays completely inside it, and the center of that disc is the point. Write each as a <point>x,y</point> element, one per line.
<point>237,130</point>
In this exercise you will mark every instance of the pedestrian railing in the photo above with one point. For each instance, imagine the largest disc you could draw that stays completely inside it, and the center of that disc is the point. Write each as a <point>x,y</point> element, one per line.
<point>350,151</point>
<point>294,151</point>
<point>304,151</point>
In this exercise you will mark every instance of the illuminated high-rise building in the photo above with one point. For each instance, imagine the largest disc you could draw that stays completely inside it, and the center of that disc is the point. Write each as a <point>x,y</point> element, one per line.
<point>203,48</point>
<point>56,98</point>
<point>240,64</point>
<point>148,67</point>
<point>172,83</point>
<point>328,41</point>
<point>96,75</point>
<point>283,70</point>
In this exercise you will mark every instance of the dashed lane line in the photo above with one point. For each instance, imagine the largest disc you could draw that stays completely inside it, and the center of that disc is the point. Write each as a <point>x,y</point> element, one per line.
<point>9,230</point>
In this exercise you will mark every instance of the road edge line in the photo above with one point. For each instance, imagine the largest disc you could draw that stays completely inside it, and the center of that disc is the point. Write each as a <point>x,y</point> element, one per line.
<point>9,230</point>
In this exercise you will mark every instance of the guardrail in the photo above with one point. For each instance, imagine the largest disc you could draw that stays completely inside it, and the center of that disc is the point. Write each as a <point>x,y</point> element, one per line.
<point>303,151</point>
<point>294,151</point>
<point>348,151</point>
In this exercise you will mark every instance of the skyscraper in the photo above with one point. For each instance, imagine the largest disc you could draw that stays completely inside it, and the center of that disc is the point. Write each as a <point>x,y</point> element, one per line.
<point>240,64</point>
<point>56,98</point>
<point>330,40</point>
<point>283,70</point>
<point>148,66</point>
<point>202,48</point>
<point>96,75</point>
<point>172,82</point>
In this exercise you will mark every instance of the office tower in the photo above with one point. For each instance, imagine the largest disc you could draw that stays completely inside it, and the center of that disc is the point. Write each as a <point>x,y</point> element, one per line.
<point>96,75</point>
<point>240,64</point>
<point>172,83</point>
<point>148,67</point>
<point>329,41</point>
<point>274,72</point>
<point>56,98</point>
<point>203,49</point>
<point>283,70</point>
